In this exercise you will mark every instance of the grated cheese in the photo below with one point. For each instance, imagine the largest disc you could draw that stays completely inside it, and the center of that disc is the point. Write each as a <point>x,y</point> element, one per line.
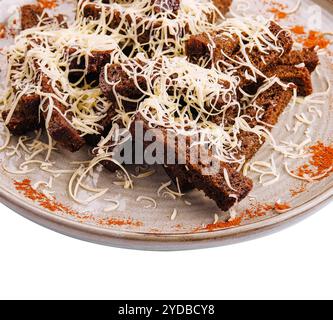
<point>174,215</point>
<point>151,200</point>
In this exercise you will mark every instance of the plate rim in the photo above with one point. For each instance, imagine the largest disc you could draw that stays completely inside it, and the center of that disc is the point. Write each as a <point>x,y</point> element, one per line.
<point>132,239</point>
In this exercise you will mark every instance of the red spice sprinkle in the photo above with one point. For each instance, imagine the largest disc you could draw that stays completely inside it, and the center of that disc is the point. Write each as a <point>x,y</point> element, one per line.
<point>277,8</point>
<point>316,39</point>
<point>320,164</point>
<point>297,191</point>
<point>256,211</point>
<point>54,206</point>
<point>281,207</point>
<point>278,13</point>
<point>310,39</point>
<point>120,223</point>
<point>221,225</point>
<point>298,30</point>
<point>48,4</point>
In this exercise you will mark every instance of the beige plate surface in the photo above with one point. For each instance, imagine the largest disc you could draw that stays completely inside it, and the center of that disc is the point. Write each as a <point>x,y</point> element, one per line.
<point>133,226</point>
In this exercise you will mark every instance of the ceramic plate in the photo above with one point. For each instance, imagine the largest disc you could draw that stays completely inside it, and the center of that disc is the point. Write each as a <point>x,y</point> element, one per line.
<point>190,221</point>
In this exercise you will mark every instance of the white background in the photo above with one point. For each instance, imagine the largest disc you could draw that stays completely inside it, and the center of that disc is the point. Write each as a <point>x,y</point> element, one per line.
<point>36,263</point>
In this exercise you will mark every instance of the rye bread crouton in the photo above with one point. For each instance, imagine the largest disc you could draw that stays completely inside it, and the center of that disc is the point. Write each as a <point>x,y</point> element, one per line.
<point>105,126</point>
<point>198,48</point>
<point>214,186</point>
<point>31,15</point>
<point>94,12</point>
<point>125,88</point>
<point>96,61</point>
<point>166,6</point>
<point>223,5</point>
<point>223,50</point>
<point>115,19</point>
<point>273,102</point>
<point>59,128</point>
<point>301,77</point>
<point>26,116</point>
<point>306,56</point>
<point>179,176</point>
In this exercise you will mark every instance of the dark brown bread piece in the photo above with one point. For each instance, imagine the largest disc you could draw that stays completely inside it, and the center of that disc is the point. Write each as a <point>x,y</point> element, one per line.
<point>32,13</point>
<point>115,18</point>
<point>307,56</point>
<point>179,175</point>
<point>59,128</point>
<point>214,186</point>
<point>106,124</point>
<point>301,77</point>
<point>271,65</point>
<point>30,16</point>
<point>60,19</point>
<point>25,117</point>
<point>227,49</point>
<point>110,166</point>
<point>125,86</point>
<point>273,102</point>
<point>289,69</point>
<point>263,61</point>
<point>94,11</point>
<point>223,5</point>
<point>285,40</point>
<point>198,47</point>
<point>96,61</point>
<point>166,6</point>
